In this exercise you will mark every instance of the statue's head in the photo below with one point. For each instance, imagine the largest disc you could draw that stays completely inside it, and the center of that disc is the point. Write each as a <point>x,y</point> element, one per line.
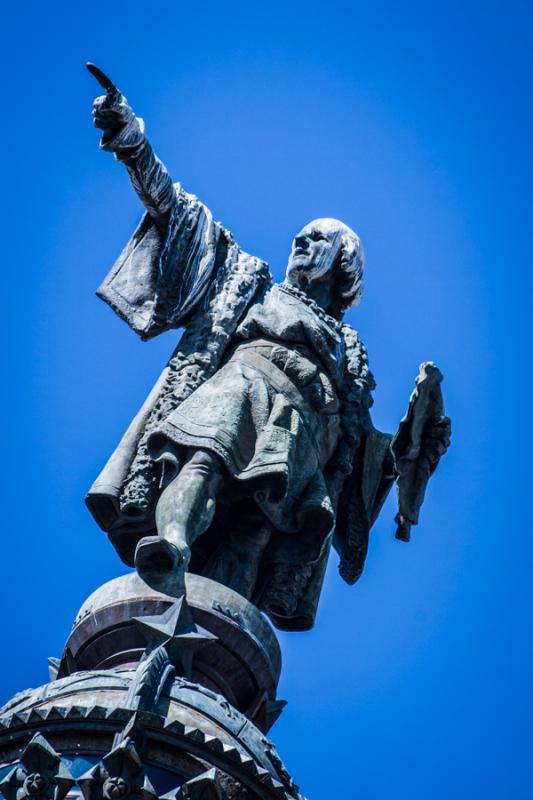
<point>326,261</point>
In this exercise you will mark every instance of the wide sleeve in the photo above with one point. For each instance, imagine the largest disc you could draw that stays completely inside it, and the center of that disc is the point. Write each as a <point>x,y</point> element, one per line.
<point>364,460</point>
<point>160,277</point>
<point>167,265</point>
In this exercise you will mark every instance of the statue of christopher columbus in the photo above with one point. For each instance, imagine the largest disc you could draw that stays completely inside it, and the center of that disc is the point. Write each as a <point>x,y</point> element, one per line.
<point>255,450</point>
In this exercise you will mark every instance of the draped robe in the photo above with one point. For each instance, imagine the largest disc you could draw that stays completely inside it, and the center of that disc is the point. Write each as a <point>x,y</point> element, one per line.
<point>183,269</point>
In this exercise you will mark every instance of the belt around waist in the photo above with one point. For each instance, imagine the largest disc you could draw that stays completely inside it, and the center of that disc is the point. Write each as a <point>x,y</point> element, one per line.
<point>261,344</point>
<point>249,356</point>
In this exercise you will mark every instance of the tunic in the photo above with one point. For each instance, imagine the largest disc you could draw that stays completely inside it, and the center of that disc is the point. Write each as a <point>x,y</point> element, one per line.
<point>271,413</point>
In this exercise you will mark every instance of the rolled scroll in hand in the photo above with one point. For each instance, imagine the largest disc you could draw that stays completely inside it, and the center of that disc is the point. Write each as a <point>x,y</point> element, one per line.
<point>423,437</point>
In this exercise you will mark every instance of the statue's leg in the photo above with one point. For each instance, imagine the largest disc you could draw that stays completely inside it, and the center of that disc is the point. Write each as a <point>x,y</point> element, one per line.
<point>184,511</point>
<point>236,562</point>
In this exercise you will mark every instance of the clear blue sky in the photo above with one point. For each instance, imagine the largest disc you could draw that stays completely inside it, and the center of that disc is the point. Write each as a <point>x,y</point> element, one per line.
<point>411,122</point>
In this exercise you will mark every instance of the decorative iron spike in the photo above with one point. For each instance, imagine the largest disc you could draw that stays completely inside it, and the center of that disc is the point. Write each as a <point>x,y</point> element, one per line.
<point>193,733</point>
<point>204,787</point>
<point>131,731</point>
<point>53,667</point>
<point>278,789</point>
<point>124,776</point>
<point>232,753</point>
<point>123,759</point>
<point>91,783</point>
<point>147,791</point>
<point>43,775</point>
<point>175,794</point>
<point>68,664</point>
<point>39,755</point>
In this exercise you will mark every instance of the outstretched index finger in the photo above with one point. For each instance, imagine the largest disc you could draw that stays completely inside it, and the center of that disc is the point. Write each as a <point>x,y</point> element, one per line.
<point>105,82</point>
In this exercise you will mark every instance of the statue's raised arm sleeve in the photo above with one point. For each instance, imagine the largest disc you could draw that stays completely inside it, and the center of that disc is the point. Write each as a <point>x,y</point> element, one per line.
<point>172,258</point>
<point>177,255</point>
<point>148,174</point>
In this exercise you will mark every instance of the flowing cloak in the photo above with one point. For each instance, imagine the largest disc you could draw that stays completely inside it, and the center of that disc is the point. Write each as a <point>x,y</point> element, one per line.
<point>192,274</point>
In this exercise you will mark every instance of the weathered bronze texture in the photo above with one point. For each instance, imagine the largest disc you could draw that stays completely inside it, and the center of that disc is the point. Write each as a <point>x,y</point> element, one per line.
<point>255,450</point>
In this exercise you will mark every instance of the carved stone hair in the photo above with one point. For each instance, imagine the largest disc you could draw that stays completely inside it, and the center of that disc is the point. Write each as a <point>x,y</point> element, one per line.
<point>349,273</point>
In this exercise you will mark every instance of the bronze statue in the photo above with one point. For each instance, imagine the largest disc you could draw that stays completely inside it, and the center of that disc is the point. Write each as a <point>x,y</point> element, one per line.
<point>255,451</point>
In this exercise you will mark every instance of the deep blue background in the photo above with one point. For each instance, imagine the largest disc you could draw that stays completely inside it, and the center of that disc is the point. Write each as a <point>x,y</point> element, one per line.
<point>412,123</point>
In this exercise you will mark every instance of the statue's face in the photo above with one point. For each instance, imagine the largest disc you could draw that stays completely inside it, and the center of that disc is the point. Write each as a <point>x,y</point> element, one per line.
<point>314,252</point>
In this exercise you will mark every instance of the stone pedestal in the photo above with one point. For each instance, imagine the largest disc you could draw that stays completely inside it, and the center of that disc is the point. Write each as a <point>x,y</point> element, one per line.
<point>154,696</point>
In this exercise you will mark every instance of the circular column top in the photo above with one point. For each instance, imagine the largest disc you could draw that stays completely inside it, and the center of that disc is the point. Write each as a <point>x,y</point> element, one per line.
<point>243,664</point>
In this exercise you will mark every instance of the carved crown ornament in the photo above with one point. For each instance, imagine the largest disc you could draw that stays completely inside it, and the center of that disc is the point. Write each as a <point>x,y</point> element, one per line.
<point>44,775</point>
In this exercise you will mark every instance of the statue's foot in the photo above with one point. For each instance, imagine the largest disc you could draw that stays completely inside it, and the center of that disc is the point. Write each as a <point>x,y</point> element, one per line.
<point>155,556</point>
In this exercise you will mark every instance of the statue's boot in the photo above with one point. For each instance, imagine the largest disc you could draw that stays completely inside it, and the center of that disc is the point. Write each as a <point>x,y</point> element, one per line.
<point>156,556</point>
